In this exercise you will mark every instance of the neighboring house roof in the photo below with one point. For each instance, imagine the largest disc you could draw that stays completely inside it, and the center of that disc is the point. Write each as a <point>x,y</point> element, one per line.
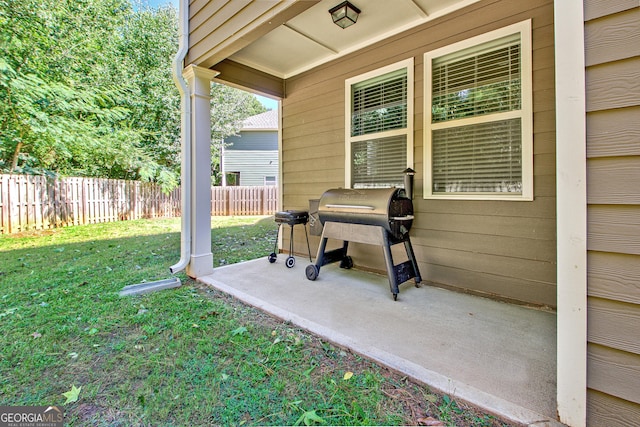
<point>264,121</point>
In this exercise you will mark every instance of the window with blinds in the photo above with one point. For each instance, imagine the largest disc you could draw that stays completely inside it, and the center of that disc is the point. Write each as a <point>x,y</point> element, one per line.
<point>379,104</point>
<point>378,133</point>
<point>479,133</point>
<point>379,162</point>
<point>485,83</point>
<point>480,158</point>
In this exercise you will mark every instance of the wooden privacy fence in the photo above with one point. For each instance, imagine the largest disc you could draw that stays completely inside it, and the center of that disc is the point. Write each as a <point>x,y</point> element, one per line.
<point>244,200</point>
<point>30,202</point>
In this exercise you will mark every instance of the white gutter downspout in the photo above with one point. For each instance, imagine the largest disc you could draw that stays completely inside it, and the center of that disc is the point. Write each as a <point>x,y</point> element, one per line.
<point>185,137</point>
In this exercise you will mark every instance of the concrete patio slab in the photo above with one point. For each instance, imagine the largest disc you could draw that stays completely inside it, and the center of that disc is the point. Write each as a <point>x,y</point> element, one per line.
<point>498,356</point>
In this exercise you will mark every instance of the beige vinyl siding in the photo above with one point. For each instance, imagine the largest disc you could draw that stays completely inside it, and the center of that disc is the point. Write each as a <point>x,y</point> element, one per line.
<point>612,49</point>
<point>500,248</point>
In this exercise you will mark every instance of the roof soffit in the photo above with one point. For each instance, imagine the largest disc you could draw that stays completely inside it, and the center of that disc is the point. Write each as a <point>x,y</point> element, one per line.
<point>237,24</point>
<point>284,38</point>
<point>311,39</point>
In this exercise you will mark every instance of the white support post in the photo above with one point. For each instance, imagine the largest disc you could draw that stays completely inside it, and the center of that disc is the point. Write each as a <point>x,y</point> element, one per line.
<point>571,212</point>
<point>201,262</point>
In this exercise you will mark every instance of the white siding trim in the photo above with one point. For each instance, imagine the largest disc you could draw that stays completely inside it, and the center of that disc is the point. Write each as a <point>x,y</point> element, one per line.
<point>280,174</point>
<point>571,212</point>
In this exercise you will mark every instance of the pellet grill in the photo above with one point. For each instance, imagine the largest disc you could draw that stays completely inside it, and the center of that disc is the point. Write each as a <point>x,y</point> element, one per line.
<point>380,216</point>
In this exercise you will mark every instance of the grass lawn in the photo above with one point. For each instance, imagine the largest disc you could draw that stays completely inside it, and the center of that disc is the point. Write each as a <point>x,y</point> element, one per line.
<point>187,356</point>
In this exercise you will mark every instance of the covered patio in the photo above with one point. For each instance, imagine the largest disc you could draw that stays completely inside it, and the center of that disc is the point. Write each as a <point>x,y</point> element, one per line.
<point>523,242</point>
<point>498,356</point>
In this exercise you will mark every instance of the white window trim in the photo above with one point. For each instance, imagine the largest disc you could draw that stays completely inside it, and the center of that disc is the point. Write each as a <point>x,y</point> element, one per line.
<point>524,28</point>
<point>348,139</point>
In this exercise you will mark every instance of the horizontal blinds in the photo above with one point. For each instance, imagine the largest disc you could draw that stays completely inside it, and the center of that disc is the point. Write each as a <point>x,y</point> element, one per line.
<point>479,158</point>
<point>475,83</point>
<point>379,104</point>
<point>378,162</point>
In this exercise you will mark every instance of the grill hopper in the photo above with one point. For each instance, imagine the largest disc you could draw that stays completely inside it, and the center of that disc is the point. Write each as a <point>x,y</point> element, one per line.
<point>381,216</point>
<point>384,207</point>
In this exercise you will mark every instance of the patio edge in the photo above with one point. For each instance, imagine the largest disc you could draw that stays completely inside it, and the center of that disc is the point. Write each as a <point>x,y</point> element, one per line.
<point>442,383</point>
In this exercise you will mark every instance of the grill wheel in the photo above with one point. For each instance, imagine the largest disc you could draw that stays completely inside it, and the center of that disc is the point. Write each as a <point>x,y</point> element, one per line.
<point>312,271</point>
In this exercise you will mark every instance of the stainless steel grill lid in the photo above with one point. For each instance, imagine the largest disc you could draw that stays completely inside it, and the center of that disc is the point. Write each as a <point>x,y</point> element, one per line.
<point>385,207</point>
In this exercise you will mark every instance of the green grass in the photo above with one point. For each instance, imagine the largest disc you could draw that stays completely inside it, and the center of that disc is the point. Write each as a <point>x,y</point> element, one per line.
<point>186,356</point>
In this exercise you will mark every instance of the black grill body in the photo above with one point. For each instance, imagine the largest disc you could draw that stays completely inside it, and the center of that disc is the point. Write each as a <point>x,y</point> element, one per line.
<point>381,216</point>
<point>291,218</point>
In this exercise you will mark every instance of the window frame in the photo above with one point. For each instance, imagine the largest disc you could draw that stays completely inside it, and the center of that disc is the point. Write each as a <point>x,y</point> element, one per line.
<point>525,113</point>
<point>236,178</point>
<point>408,131</point>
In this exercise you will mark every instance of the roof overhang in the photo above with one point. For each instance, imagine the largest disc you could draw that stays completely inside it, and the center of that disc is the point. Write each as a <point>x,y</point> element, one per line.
<point>260,44</point>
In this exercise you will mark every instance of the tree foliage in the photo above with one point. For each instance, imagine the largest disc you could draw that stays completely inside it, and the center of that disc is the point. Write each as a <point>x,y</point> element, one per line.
<point>86,90</point>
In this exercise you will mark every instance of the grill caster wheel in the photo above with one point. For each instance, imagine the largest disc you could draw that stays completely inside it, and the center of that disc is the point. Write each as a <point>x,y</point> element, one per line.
<point>272,257</point>
<point>395,297</point>
<point>347,262</point>
<point>290,262</point>
<point>312,272</point>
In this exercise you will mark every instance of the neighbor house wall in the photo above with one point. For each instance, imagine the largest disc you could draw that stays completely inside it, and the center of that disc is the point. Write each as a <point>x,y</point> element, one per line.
<point>252,153</point>
<point>612,59</point>
<point>501,248</point>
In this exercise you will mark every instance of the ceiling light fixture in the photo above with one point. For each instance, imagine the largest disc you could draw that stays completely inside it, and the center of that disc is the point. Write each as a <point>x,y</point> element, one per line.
<point>344,15</point>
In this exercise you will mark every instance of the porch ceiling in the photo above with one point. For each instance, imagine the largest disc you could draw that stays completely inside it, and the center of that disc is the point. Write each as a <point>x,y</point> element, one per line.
<point>309,38</point>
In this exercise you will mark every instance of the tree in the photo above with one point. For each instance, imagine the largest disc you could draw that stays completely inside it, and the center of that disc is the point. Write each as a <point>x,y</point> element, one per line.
<point>61,109</point>
<point>86,89</point>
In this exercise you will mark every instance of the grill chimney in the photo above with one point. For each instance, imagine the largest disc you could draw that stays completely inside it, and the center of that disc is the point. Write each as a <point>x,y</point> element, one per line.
<point>408,182</point>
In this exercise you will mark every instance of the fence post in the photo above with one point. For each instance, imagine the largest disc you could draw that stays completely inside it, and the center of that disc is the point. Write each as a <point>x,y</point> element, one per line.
<point>22,195</point>
<point>85,205</point>
<point>4,204</point>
